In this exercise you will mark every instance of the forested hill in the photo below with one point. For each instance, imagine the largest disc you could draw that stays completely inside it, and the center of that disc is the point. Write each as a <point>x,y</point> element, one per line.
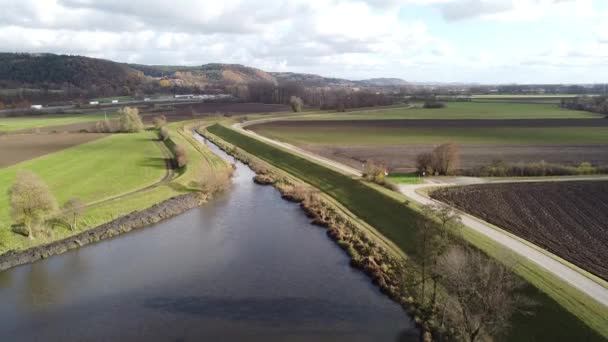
<point>61,71</point>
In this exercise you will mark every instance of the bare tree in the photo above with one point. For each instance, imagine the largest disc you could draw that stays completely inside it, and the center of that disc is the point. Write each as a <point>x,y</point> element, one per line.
<point>159,121</point>
<point>296,103</point>
<point>181,156</point>
<point>483,293</point>
<point>446,158</point>
<point>71,211</point>
<point>31,201</point>
<point>163,133</point>
<point>374,171</point>
<point>424,163</point>
<point>130,121</point>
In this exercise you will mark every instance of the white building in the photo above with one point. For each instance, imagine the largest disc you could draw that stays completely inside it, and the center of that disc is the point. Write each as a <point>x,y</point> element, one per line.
<point>36,107</point>
<point>94,103</point>
<point>114,101</point>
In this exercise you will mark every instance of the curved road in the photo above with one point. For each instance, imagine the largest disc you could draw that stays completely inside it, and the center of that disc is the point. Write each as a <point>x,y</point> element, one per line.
<point>544,259</point>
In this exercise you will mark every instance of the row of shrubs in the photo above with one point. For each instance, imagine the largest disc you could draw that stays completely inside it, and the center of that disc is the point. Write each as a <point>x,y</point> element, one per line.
<point>535,169</point>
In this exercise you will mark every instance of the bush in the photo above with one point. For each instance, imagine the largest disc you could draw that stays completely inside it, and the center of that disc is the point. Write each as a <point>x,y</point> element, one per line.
<point>536,169</point>
<point>444,160</point>
<point>181,157</point>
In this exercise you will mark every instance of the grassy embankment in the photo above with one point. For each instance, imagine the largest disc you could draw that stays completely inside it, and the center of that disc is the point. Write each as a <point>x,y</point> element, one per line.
<point>577,318</point>
<point>96,172</point>
<point>463,110</point>
<point>39,121</point>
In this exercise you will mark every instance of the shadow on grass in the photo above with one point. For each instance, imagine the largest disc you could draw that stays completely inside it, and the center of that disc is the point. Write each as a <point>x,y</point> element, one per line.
<point>181,188</point>
<point>156,162</point>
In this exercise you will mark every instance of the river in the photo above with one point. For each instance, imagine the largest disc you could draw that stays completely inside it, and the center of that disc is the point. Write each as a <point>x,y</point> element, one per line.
<point>248,266</point>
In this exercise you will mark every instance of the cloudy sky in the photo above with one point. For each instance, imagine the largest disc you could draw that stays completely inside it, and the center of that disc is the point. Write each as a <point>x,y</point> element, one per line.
<point>485,41</point>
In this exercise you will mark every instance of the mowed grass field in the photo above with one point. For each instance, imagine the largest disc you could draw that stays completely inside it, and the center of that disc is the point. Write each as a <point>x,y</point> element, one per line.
<point>120,165</point>
<point>92,172</point>
<point>461,110</point>
<point>395,221</point>
<point>19,123</point>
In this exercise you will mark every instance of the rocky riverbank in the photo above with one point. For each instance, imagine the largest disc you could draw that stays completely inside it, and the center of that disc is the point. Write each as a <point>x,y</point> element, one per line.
<point>137,219</point>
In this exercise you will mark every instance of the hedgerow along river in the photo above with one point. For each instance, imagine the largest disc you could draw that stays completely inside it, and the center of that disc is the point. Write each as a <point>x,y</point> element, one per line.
<point>247,266</point>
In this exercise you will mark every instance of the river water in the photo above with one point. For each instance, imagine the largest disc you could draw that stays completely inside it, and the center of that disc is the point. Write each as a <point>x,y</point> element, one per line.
<point>248,266</point>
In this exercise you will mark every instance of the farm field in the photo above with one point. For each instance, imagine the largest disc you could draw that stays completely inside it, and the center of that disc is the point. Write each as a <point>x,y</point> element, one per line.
<point>462,110</point>
<point>38,121</point>
<point>569,219</point>
<point>394,220</point>
<point>20,147</point>
<point>398,142</point>
<point>197,110</point>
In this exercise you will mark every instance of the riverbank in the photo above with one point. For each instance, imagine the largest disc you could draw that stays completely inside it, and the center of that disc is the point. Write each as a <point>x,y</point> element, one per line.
<point>137,219</point>
<point>127,208</point>
<point>383,263</point>
<point>396,225</point>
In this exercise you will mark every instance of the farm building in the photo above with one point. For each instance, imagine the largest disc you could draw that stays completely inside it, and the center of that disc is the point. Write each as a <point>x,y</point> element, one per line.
<point>36,107</point>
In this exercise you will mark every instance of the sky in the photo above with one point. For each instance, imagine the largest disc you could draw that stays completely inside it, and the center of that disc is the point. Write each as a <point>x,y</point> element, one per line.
<point>481,41</point>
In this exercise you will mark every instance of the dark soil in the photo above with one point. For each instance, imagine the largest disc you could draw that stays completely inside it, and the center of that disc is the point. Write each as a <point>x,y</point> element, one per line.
<point>402,158</point>
<point>19,147</point>
<point>569,219</point>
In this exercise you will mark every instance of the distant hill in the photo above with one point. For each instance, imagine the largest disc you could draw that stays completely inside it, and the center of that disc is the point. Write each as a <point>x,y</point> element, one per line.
<point>59,71</point>
<point>104,77</point>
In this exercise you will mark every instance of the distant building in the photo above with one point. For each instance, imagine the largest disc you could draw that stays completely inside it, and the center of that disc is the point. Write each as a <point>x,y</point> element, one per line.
<point>114,101</point>
<point>147,99</point>
<point>94,103</point>
<point>36,107</point>
<point>185,96</point>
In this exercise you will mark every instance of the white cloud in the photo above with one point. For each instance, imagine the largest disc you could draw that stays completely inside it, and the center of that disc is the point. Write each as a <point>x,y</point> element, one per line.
<point>343,38</point>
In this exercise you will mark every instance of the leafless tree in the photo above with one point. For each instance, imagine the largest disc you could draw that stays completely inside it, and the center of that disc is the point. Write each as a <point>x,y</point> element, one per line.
<point>181,156</point>
<point>424,163</point>
<point>163,133</point>
<point>159,121</point>
<point>31,201</point>
<point>130,121</point>
<point>484,294</point>
<point>446,158</point>
<point>71,211</point>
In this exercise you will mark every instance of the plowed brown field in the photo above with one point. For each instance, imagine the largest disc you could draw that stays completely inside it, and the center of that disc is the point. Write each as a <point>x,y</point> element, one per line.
<point>569,219</point>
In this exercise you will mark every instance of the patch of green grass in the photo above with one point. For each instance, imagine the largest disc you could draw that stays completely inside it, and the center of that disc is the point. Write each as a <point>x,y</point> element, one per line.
<point>107,168</point>
<point>92,172</point>
<point>405,178</point>
<point>550,322</point>
<point>463,110</point>
<point>28,122</point>
<point>340,135</point>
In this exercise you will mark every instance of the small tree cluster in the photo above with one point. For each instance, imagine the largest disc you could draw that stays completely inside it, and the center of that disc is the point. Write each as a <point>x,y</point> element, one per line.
<point>444,160</point>
<point>181,156</point>
<point>159,121</point>
<point>31,202</point>
<point>130,121</point>
<point>296,103</point>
